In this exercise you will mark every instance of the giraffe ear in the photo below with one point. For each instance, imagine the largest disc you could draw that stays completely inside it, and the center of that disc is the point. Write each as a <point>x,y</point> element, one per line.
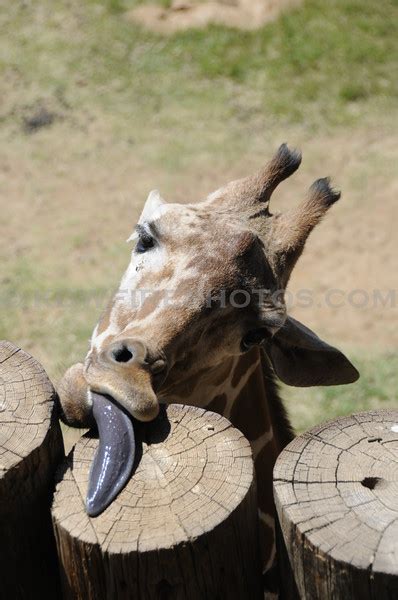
<point>300,358</point>
<point>153,202</point>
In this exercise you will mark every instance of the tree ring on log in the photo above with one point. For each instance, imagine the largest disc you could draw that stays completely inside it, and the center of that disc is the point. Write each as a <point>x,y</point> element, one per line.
<point>336,493</point>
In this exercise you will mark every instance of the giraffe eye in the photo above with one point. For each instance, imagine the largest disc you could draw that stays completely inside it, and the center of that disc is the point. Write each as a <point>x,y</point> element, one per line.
<point>145,242</point>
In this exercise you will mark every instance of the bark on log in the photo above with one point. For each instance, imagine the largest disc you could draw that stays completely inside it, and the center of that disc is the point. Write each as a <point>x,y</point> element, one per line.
<point>30,450</point>
<point>336,493</point>
<point>185,526</point>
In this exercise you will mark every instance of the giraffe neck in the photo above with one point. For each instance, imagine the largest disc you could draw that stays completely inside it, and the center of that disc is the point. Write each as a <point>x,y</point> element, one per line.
<point>243,390</point>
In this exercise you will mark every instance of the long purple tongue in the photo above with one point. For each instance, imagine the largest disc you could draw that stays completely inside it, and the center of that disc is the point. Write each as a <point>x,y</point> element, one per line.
<point>114,458</point>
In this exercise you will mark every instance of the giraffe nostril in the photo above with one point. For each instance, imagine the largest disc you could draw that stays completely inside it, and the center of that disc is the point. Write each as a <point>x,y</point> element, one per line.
<point>122,354</point>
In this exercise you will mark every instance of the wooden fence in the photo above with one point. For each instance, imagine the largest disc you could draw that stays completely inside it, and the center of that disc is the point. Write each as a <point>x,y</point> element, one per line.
<point>185,526</point>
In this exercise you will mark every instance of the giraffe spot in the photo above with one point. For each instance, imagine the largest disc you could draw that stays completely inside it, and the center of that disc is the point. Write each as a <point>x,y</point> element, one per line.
<point>218,404</point>
<point>222,320</point>
<point>185,288</point>
<point>246,412</point>
<point>105,319</point>
<point>150,304</point>
<point>184,388</point>
<point>151,279</point>
<point>123,316</point>
<point>223,374</point>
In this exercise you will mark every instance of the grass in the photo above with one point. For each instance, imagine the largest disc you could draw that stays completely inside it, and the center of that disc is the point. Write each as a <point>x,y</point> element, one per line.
<point>323,64</point>
<point>376,388</point>
<point>193,103</point>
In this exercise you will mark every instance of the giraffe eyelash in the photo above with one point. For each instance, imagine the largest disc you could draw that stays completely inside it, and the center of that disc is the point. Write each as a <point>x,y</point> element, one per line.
<point>145,240</point>
<point>140,232</point>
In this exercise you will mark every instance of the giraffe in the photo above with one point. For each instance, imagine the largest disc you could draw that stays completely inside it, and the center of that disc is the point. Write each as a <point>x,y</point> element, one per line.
<point>209,326</point>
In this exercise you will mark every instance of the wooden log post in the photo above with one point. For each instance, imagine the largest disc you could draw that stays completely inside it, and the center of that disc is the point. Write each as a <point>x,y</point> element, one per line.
<point>336,493</point>
<point>185,526</point>
<point>30,449</point>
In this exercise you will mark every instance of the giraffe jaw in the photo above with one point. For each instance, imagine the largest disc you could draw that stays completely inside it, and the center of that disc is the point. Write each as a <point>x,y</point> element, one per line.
<point>141,407</point>
<point>131,389</point>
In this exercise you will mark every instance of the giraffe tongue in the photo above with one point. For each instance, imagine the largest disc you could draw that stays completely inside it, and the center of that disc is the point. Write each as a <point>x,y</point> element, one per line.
<point>114,458</point>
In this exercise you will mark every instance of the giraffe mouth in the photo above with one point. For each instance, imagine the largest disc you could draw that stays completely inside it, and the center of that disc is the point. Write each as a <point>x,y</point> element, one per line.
<point>114,459</point>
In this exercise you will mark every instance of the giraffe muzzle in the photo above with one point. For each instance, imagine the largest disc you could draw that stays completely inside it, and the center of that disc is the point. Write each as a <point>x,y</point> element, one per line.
<point>113,407</point>
<point>127,371</point>
<point>127,352</point>
<point>122,379</point>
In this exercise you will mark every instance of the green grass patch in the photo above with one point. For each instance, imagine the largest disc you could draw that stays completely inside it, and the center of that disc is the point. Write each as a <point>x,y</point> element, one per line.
<point>376,388</point>
<point>322,64</point>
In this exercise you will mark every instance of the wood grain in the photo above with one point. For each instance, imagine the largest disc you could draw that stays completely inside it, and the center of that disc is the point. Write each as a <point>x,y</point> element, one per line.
<point>30,448</point>
<point>185,526</point>
<point>336,493</point>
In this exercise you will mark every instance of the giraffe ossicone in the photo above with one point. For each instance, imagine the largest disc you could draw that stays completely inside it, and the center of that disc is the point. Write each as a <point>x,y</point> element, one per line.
<point>153,203</point>
<point>174,345</point>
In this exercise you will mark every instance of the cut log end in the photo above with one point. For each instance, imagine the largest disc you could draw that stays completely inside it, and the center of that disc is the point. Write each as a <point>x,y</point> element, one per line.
<point>186,522</point>
<point>30,448</point>
<point>26,405</point>
<point>336,493</point>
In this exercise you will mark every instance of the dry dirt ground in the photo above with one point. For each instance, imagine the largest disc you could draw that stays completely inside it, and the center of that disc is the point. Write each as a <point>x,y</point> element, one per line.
<point>185,14</point>
<point>73,182</point>
<point>64,213</point>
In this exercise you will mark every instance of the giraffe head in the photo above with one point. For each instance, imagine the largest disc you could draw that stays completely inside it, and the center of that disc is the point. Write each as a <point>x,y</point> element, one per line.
<point>206,282</point>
